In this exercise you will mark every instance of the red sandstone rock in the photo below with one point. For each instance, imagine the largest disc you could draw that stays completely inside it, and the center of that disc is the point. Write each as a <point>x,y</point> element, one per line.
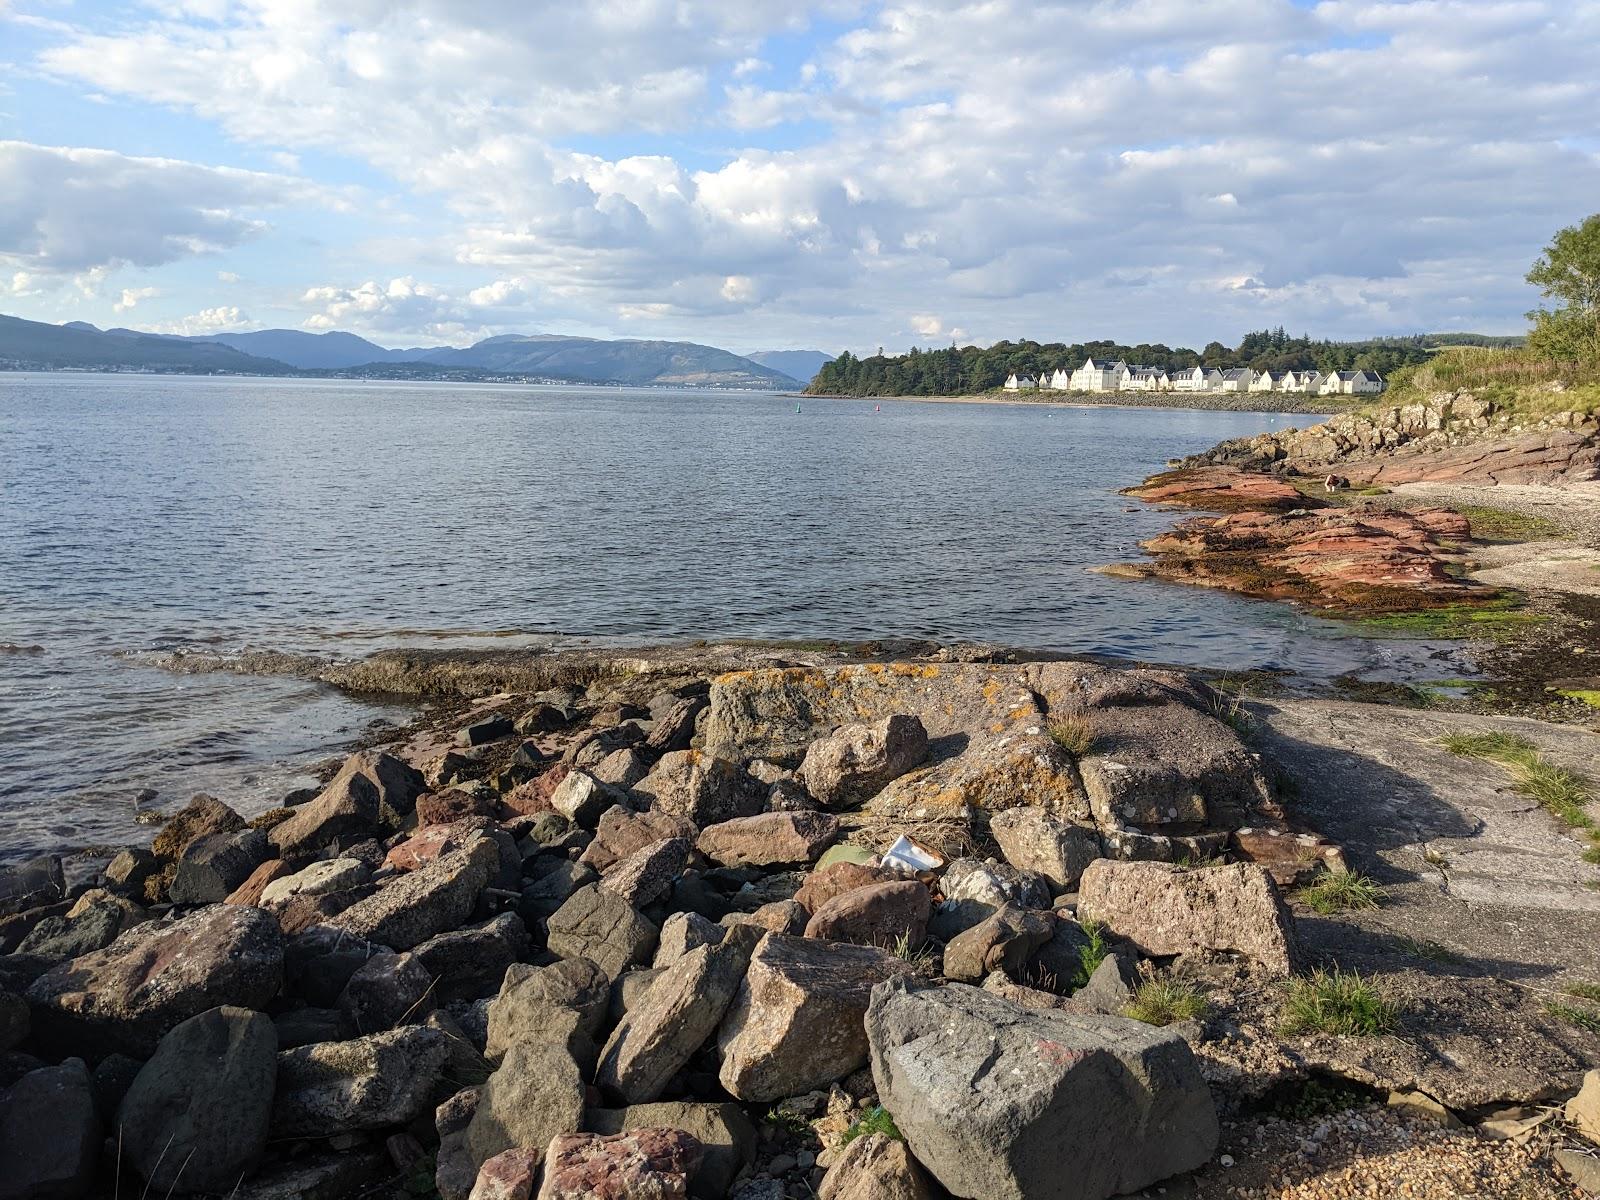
<point>641,1164</point>
<point>1334,558</point>
<point>1221,489</point>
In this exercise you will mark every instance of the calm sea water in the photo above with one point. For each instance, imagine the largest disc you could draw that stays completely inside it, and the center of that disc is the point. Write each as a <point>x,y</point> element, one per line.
<point>143,513</point>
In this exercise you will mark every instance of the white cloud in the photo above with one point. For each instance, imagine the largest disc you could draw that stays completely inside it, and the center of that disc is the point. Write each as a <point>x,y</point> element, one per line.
<point>78,210</point>
<point>1048,169</point>
<point>131,298</point>
<point>225,318</point>
<point>227,277</point>
<point>413,307</point>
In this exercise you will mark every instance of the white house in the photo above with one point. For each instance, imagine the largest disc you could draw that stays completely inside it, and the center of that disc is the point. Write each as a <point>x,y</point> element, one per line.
<point>1238,379</point>
<point>1351,383</point>
<point>1020,383</point>
<point>1266,381</point>
<point>1059,381</point>
<point>1146,379</point>
<point>1309,380</point>
<point>1099,376</point>
<point>1197,379</point>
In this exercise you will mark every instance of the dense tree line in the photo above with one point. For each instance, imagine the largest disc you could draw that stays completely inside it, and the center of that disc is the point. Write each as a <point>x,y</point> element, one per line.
<point>969,369</point>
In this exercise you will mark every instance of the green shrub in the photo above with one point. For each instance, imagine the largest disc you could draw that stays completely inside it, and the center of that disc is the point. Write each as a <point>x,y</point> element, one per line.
<point>875,1120</point>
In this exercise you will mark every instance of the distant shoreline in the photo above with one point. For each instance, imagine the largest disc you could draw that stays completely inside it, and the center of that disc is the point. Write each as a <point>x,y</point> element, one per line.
<point>1218,402</point>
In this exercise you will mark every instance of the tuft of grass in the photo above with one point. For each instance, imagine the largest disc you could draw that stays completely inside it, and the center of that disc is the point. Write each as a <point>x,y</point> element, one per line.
<point>1337,1002</point>
<point>1572,1014</point>
<point>1585,991</point>
<point>1073,735</point>
<point>875,1120</point>
<point>1091,954</point>
<point>1163,1001</point>
<point>905,951</point>
<point>1564,794</point>
<point>1346,892</point>
<point>1227,705</point>
<point>1428,951</point>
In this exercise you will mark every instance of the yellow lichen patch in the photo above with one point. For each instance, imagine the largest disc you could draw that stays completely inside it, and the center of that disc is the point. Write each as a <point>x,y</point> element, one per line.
<point>991,690</point>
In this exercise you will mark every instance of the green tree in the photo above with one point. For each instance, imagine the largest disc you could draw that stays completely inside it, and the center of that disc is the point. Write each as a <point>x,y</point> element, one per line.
<point>1569,273</point>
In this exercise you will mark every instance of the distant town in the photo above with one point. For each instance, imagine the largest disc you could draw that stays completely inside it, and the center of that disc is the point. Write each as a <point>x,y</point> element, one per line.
<point>1118,376</point>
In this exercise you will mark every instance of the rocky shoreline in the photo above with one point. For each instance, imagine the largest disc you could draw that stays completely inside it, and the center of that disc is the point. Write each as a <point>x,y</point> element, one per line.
<point>758,923</point>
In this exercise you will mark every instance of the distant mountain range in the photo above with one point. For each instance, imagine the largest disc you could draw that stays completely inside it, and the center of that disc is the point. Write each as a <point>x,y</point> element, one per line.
<point>80,346</point>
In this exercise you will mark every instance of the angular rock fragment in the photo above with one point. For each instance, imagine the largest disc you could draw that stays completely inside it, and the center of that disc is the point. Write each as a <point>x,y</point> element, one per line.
<point>995,884</point>
<point>683,932</point>
<point>621,831</point>
<point>554,1003</point>
<point>320,878</point>
<point>642,1164</point>
<point>656,1038</point>
<point>876,1167</point>
<point>535,1095</point>
<point>1033,840</point>
<point>700,787</point>
<point>796,1023</point>
<point>856,762</point>
<point>770,839</point>
<point>366,1083</point>
<point>211,866</point>
<point>885,915</point>
<point>1166,910</point>
<point>647,875</point>
<point>371,794</point>
<point>603,928</point>
<point>1002,942</point>
<point>426,902</point>
<point>727,1137</point>
<point>50,1134</point>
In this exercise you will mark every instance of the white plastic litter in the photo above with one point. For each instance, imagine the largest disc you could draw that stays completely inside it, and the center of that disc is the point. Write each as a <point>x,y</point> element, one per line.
<point>906,855</point>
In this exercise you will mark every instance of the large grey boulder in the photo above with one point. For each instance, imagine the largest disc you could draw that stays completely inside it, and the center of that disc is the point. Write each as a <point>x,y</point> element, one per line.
<point>318,879</point>
<point>552,1003</point>
<point>50,1134</point>
<point>212,866</point>
<point>56,939</point>
<point>1034,840</point>
<point>196,1117</point>
<point>387,990</point>
<point>856,762</point>
<point>426,902</point>
<point>682,1008</point>
<point>1166,910</point>
<point>1002,1102</point>
<point>367,1083</point>
<point>535,1094</point>
<point>603,928</point>
<point>796,1023</point>
<point>128,995</point>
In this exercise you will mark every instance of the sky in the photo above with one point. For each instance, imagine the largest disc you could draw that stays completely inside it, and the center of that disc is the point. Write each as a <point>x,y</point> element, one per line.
<point>764,174</point>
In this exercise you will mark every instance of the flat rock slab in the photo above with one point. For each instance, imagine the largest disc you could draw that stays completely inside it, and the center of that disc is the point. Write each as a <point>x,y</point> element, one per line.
<point>1468,862</point>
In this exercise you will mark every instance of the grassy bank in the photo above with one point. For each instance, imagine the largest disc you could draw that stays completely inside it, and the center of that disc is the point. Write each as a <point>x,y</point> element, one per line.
<point>1515,380</point>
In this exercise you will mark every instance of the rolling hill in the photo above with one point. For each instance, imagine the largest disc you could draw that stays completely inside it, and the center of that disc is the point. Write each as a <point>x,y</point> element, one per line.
<point>36,345</point>
<point>592,360</point>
